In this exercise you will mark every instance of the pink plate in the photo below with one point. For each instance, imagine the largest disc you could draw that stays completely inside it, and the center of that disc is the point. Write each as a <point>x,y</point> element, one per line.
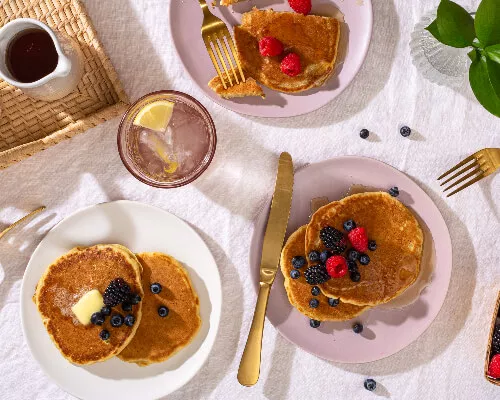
<point>386,331</point>
<point>185,23</point>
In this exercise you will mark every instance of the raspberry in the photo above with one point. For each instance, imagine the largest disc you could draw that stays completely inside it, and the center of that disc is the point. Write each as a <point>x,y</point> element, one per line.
<point>301,6</point>
<point>291,65</point>
<point>494,368</point>
<point>270,47</point>
<point>336,266</point>
<point>359,239</point>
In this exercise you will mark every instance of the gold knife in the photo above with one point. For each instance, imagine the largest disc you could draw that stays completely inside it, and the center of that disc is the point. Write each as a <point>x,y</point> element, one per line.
<point>18,222</point>
<point>248,373</point>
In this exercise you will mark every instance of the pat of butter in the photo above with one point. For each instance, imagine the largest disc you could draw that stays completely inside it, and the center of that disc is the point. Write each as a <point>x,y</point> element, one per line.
<point>90,303</point>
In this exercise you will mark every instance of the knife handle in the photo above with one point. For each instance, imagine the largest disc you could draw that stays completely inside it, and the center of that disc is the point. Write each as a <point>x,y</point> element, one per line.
<point>248,373</point>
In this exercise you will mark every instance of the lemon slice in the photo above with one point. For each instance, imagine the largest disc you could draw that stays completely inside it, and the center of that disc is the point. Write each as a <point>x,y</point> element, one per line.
<point>155,116</point>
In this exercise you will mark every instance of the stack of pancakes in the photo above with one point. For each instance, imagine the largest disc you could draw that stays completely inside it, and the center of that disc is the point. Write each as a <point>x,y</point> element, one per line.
<point>394,265</point>
<point>151,338</point>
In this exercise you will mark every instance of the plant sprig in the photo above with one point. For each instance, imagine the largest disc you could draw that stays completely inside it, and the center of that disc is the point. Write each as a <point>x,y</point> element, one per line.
<point>455,27</point>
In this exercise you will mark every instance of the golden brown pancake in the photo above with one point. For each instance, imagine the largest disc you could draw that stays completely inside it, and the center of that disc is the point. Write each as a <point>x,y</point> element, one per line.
<point>157,338</point>
<point>395,264</point>
<point>229,2</point>
<point>244,89</point>
<point>299,291</point>
<point>67,280</point>
<point>314,38</point>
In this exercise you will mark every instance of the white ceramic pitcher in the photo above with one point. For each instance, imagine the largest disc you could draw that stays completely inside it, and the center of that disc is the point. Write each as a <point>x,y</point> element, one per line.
<point>60,82</point>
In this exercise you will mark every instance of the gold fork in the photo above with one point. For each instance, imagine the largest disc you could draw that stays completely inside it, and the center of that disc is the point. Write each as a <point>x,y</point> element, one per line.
<point>482,163</point>
<point>214,31</point>
<point>20,221</point>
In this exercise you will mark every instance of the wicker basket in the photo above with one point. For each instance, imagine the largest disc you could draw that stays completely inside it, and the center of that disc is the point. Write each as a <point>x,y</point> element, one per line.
<point>488,353</point>
<point>28,126</point>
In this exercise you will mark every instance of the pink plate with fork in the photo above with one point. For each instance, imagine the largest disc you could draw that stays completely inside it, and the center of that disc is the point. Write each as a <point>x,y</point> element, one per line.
<point>387,330</point>
<point>185,23</point>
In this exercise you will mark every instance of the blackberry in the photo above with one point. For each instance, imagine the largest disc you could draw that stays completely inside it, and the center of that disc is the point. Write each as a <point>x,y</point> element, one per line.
<point>349,225</point>
<point>117,292</point>
<point>333,302</point>
<point>313,323</point>
<point>370,385</point>
<point>314,256</point>
<point>314,303</point>
<point>316,274</point>
<point>372,245</point>
<point>352,255</point>
<point>405,131</point>
<point>364,259</point>
<point>325,255</point>
<point>294,274</point>
<point>495,345</point>
<point>355,276</point>
<point>155,288</point>
<point>364,133</point>
<point>104,334</point>
<point>352,266</point>
<point>315,291</point>
<point>394,191</point>
<point>357,328</point>
<point>298,262</point>
<point>333,239</point>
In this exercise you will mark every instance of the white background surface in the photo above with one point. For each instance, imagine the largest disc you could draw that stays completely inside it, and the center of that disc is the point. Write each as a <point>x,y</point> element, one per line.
<point>445,363</point>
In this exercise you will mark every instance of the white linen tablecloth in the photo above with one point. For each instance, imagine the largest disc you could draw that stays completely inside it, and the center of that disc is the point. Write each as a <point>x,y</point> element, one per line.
<point>446,362</point>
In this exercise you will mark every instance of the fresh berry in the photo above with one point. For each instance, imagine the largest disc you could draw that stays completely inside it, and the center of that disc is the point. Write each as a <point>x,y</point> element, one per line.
<point>357,327</point>
<point>291,65</point>
<point>117,292</point>
<point>104,334</point>
<point>359,239</point>
<point>97,318</point>
<point>405,131</point>
<point>370,385</point>
<point>314,256</point>
<point>355,276</point>
<point>116,320</point>
<point>134,299</point>
<point>352,266</point>
<point>364,133</point>
<point>294,274</point>
<point>364,259</point>
<point>494,368</point>
<point>314,303</point>
<point>315,291</point>
<point>336,266</point>
<point>372,245</point>
<point>163,311</point>
<point>126,306</point>
<point>301,6</point>
<point>394,191</point>
<point>155,288</point>
<point>316,275</point>
<point>313,323</point>
<point>129,320</point>
<point>325,255</point>
<point>333,239</point>
<point>333,302</point>
<point>270,46</point>
<point>106,311</point>
<point>349,225</point>
<point>353,255</point>
<point>495,344</point>
<point>298,262</point>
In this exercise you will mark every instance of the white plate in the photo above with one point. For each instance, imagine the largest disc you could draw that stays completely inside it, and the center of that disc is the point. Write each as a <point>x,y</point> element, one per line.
<point>141,228</point>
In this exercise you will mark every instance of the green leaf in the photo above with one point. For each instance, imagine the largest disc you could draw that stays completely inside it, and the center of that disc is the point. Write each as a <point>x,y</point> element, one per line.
<point>455,24</point>
<point>482,86</point>
<point>494,74</point>
<point>493,52</point>
<point>433,29</point>
<point>473,54</point>
<point>487,22</point>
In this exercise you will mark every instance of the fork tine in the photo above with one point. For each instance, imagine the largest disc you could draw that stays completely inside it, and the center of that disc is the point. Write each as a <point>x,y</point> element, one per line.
<point>476,179</point>
<point>214,61</point>
<point>224,47</point>
<point>462,171</point>
<point>460,164</point>
<point>221,59</point>
<point>464,178</point>
<point>235,54</point>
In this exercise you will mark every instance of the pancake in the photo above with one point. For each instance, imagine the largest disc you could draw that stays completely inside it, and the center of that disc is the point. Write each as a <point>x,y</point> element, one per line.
<point>394,266</point>
<point>299,291</point>
<point>66,281</point>
<point>157,338</point>
<point>244,89</point>
<point>314,38</point>
<point>229,2</point>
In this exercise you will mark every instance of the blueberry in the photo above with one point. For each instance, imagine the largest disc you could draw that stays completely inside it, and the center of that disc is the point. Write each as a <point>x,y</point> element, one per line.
<point>126,306</point>
<point>405,131</point>
<point>314,323</point>
<point>106,311</point>
<point>155,288</point>
<point>129,320</point>
<point>116,320</point>
<point>315,291</point>
<point>104,334</point>
<point>298,262</point>
<point>352,266</point>
<point>353,255</point>
<point>325,255</point>
<point>355,276</point>
<point>163,311</point>
<point>97,318</point>
<point>333,302</point>
<point>364,133</point>
<point>294,274</point>
<point>372,245</point>
<point>394,191</point>
<point>134,299</point>
<point>357,327</point>
<point>370,385</point>
<point>364,259</point>
<point>314,256</point>
<point>314,303</point>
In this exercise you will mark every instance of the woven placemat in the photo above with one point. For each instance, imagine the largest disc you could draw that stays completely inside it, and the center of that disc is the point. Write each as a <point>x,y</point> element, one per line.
<point>28,126</point>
